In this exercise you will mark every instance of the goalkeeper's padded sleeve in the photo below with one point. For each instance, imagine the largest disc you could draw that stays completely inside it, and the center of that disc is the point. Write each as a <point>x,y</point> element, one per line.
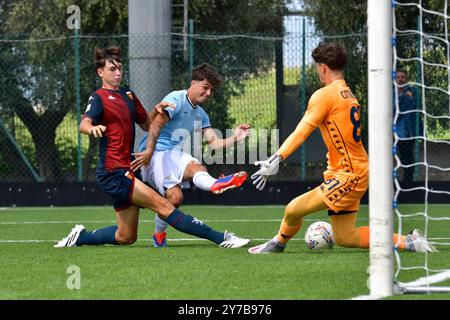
<point>295,139</point>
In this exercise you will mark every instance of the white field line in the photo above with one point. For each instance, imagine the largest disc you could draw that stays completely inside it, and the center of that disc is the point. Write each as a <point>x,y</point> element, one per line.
<point>152,221</point>
<point>206,206</point>
<point>138,240</point>
<point>367,297</point>
<point>176,239</point>
<point>109,207</point>
<point>142,221</point>
<point>5,223</point>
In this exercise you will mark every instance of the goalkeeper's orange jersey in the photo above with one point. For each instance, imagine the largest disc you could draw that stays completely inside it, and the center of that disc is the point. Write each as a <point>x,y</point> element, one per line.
<point>335,110</point>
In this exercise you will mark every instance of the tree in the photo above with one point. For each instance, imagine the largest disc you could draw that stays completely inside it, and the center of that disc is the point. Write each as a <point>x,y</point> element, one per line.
<point>234,16</point>
<point>39,86</point>
<point>234,53</point>
<point>40,89</point>
<point>346,20</point>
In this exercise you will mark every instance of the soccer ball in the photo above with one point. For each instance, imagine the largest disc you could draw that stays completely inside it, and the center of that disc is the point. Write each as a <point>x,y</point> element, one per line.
<point>319,236</point>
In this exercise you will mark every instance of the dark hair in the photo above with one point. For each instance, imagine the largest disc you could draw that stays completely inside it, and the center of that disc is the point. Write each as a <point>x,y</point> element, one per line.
<point>207,72</point>
<point>402,71</point>
<point>101,55</point>
<point>332,54</point>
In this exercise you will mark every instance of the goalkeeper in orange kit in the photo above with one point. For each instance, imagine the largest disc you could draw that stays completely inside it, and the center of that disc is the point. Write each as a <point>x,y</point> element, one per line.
<point>336,111</point>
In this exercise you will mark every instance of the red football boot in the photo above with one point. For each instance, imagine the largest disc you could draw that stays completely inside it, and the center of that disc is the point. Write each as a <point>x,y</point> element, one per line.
<point>234,180</point>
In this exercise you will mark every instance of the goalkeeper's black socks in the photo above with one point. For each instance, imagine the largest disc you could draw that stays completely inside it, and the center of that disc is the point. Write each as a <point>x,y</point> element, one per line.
<point>190,225</point>
<point>98,237</point>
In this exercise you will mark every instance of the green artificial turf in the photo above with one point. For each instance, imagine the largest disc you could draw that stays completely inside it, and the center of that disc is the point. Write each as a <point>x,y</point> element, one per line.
<point>190,268</point>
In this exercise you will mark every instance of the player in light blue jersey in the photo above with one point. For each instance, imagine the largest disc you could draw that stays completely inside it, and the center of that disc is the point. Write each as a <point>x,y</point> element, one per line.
<point>183,120</point>
<point>171,168</point>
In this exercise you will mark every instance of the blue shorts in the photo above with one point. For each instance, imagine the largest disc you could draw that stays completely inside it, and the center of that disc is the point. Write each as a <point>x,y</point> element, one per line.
<point>118,186</point>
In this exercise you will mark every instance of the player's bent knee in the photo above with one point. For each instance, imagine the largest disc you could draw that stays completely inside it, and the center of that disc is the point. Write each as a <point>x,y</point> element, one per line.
<point>194,167</point>
<point>126,240</point>
<point>291,215</point>
<point>176,200</point>
<point>288,211</point>
<point>165,208</point>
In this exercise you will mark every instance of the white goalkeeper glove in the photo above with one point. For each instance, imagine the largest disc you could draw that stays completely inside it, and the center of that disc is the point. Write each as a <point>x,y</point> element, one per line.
<point>268,167</point>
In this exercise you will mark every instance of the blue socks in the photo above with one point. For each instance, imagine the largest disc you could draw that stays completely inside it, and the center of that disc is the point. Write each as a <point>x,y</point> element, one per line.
<point>98,237</point>
<point>190,225</point>
<point>177,219</point>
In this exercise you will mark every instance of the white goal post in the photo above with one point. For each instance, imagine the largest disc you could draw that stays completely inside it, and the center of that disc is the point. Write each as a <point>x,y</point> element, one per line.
<point>383,56</point>
<point>381,191</point>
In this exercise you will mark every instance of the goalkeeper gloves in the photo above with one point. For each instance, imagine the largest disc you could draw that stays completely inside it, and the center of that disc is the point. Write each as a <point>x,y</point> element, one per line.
<point>268,167</point>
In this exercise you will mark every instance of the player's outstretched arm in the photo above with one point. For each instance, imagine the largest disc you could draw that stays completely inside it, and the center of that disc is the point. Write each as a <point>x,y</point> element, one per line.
<point>86,127</point>
<point>270,166</point>
<point>157,110</point>
<point>240,133</point>
<point>295,139</point>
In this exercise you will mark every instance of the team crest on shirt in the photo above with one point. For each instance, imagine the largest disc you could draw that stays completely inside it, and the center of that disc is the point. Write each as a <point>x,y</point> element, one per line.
<point>130,95</point>
<point>89,105</point>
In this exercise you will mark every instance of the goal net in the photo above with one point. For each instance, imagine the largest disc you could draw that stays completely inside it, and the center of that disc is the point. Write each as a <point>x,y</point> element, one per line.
<point>421,51</point>
<point>418,76</point>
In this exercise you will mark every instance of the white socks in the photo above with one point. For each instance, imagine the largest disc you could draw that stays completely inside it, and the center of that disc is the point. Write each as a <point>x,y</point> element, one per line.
<point>160,224</point>
<point>203,180</point>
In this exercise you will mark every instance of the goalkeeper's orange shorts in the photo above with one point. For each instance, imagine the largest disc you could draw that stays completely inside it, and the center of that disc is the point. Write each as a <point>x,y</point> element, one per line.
<point>343,192</point>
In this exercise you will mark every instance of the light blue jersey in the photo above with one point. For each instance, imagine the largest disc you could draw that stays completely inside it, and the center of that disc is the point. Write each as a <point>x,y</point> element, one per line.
<point>184,120</point>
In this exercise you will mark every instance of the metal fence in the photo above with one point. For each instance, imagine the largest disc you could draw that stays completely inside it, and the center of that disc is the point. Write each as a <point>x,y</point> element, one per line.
<point>46,83</point>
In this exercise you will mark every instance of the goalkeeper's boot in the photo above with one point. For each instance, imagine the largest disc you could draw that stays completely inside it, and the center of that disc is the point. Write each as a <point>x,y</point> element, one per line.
<point>234,180</point>
<point>159,239</point>
<point>232,241</point>
<point>71,239</point>
<point>418,243</point>
<point>270,246</point>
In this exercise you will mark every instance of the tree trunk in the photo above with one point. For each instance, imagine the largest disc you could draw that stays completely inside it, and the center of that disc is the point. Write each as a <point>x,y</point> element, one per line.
<point>47,154</point>
<point>43,131</point>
